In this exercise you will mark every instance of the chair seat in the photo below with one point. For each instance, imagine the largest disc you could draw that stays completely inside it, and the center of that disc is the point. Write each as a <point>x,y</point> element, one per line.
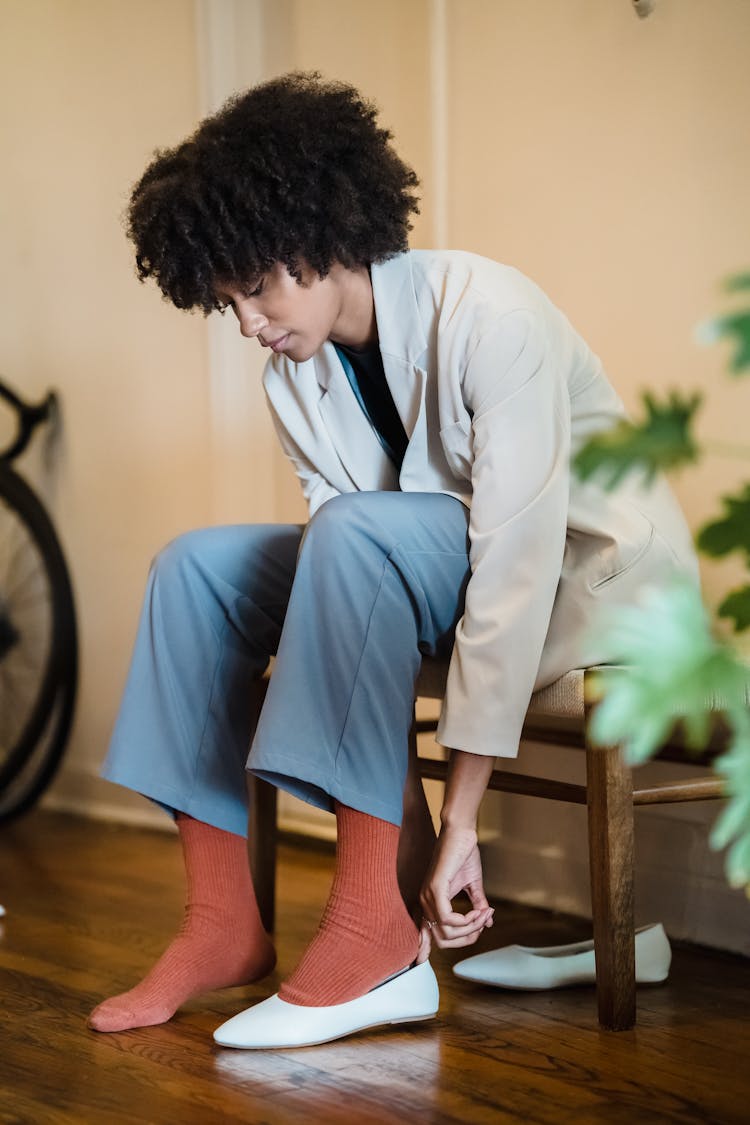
<point>563,698</point>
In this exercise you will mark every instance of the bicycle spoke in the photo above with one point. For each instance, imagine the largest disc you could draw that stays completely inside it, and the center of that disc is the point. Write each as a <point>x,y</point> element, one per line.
<point>38,667</point>
<point>29,572</point>
<point>25,600</point>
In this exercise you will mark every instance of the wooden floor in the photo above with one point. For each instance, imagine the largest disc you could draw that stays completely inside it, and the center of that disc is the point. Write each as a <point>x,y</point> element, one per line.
<point>89,907</point>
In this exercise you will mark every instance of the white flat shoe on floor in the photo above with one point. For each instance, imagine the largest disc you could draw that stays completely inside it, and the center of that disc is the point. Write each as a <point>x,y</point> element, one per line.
<point>557,966</point>
<point>412,995</point>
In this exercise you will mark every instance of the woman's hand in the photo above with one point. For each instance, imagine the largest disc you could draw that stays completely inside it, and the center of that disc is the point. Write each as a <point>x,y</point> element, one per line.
<point>455,867</point>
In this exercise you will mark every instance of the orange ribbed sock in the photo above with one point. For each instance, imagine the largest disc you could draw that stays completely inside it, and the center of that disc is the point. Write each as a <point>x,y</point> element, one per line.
<point>221,942</point>
<point>366,934</point>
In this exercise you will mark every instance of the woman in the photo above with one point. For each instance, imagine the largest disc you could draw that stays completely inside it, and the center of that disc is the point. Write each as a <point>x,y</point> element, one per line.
<point>430,403</point>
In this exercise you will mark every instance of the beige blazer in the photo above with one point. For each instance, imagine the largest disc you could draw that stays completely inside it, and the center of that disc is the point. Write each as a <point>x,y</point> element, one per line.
<point>496,391</point>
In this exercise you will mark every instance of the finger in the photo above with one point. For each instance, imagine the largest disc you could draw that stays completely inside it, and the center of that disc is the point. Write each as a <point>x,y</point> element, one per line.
<point>471,916</point>
<point>465,924</point>
<point>458,919</point>
<point>459,942</point>
<point>441,906</point>
<point>438,908</point>
<point>442,934</point>
<point>427,902</point>
<point>477,897</point>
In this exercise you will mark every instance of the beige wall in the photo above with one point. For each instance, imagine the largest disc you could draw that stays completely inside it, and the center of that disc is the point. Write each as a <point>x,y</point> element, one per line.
<point>87,90</point>
<point>609,158</point>
<point>153,439</point>
<point>604,155</point>
<point>383,49</point>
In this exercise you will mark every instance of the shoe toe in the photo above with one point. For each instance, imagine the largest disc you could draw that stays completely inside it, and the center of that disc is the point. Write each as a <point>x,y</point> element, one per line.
<point>261,1025</point>
<point>272,1024</point>
<point>498,966</point>
<point>518,967</point>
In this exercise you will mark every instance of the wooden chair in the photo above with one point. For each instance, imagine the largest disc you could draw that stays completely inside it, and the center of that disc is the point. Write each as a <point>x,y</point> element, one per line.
<point>558,715</point>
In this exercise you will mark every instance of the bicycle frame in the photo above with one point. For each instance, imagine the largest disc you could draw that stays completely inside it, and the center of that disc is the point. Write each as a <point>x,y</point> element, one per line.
<point>38,634</point>
<point>29,416</point>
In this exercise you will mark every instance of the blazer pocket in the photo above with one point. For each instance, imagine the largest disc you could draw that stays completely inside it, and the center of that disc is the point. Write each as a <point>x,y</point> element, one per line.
<point>456,442</point>
<point>626,565</point>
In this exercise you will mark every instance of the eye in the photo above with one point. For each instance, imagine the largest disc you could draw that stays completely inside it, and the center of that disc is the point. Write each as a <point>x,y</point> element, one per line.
<point>254,291</point>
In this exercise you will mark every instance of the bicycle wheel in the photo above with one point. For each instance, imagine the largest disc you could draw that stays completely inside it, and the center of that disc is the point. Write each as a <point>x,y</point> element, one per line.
<point>38,647</point>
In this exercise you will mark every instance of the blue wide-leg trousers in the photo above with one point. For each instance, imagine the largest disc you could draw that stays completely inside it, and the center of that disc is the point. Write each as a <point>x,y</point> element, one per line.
<point>347,605</point>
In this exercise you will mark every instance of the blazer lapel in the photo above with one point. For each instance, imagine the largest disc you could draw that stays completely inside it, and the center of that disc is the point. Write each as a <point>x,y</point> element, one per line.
<point>404,350</point>
<point>358,448</point>
<point>401,336</point>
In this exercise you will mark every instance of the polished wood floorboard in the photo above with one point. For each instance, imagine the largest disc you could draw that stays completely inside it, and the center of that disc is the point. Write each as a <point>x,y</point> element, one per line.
<point>90,906</point>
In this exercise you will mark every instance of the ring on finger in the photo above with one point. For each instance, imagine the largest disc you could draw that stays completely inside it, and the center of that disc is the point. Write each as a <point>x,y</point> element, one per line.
<point>429,924</point>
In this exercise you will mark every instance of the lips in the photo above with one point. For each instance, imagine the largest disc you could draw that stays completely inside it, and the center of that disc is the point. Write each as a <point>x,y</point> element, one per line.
<point>275,345</point>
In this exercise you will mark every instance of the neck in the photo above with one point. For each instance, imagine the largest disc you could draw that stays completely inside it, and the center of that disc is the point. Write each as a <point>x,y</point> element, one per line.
<point>355,325</point>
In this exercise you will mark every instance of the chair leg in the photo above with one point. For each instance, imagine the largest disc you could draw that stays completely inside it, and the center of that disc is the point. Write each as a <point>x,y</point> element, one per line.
<point>262,846</point>
<point>611,855</point>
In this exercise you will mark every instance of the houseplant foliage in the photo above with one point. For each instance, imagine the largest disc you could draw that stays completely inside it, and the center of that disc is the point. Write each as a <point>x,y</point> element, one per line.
<point>677,664</point>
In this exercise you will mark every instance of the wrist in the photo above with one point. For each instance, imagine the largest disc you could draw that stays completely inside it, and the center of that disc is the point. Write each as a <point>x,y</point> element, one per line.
<point>457,820</point>
<point>467,781</point>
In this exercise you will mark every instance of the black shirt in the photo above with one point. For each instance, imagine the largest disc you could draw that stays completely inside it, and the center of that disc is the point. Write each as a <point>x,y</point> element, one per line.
<point>376,399</point>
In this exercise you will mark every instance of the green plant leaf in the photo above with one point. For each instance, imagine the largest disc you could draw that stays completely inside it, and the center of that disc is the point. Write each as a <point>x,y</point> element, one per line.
<point>738,862</point>
<point>732,827</point>
<point>673,669</point>
<point>662,441</point>
<point>736,606</point>
<point>676,670</point>
<point>732,532</point>
<point>734,820</point>
<point>737,282</point>
<point>734,327</point>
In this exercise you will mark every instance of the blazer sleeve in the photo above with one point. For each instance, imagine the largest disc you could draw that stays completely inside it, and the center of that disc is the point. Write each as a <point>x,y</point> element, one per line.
<point>520,481</point>
<point>315,488</point>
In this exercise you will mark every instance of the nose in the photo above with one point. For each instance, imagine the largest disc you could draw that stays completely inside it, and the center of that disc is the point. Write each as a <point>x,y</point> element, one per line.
<point>251,321</point>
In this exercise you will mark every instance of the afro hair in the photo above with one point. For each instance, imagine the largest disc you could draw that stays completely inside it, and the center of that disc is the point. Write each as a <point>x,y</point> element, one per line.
<point>295,171</point>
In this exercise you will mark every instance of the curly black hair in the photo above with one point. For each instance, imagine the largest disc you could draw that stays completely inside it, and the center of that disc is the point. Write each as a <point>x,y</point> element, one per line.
<point>295,171</point>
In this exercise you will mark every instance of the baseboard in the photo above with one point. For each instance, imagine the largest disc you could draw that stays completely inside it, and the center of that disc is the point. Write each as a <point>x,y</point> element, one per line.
<point>78,791</point>
<point>300,819</point>
<point>83,793</point>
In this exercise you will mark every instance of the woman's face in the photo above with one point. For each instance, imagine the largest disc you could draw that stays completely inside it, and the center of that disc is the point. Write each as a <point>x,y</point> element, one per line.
<point>291,318</point>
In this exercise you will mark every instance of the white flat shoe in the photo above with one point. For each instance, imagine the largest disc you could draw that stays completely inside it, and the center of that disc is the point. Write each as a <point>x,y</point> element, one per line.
<point>412,995</point>
<point>557,966</point>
